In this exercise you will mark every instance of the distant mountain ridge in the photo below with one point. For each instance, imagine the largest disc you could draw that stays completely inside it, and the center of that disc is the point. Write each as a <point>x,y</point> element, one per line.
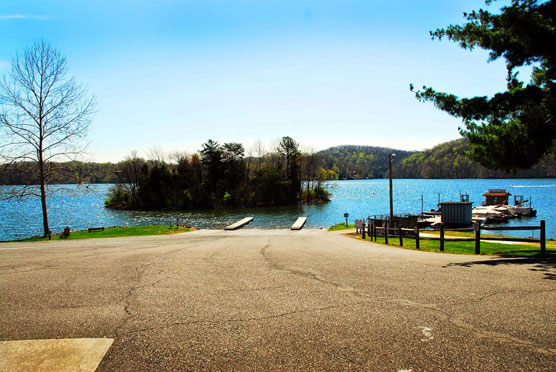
<point>446,160</point>
<point>361,162</point>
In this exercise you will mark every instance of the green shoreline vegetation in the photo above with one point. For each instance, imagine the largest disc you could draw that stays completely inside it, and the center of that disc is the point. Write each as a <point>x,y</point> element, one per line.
<point>444,161</point>
<point>459,247</point>
<point>113,232</point>
<point>342,226</point>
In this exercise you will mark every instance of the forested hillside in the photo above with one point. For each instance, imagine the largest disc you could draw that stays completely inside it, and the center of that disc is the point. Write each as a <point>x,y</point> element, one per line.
<point>448,160</point>
<point>360,162</point>
<point>26,173</point>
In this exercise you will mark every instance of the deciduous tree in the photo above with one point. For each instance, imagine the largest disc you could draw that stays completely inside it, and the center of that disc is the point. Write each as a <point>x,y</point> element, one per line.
<point>45,115</point>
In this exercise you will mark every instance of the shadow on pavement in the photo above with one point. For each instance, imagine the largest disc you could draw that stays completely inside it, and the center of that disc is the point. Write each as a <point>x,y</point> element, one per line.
<point>546,265</point>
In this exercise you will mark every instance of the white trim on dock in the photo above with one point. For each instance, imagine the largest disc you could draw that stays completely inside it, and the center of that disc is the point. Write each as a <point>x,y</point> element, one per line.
<point>239,223</point>
<point>298,224</point>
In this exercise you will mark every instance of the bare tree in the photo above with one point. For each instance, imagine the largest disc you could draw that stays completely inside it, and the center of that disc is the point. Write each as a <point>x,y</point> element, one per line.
<point>129,174</point>
<point>45,116</point>
<point>260,151</point>
<point>157,156</point>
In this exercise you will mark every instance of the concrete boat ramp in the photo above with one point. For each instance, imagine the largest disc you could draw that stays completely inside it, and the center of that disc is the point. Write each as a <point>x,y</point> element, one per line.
<point>298,224</point>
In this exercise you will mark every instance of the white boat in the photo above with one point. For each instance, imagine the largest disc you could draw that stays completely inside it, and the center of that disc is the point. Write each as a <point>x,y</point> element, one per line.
<point>497,202</point>
<point>521,208</point>
<point>490,214</point>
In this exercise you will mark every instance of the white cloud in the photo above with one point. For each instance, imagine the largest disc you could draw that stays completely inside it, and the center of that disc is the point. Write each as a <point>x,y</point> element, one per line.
<point>37,17</point>
<point>4,65</point>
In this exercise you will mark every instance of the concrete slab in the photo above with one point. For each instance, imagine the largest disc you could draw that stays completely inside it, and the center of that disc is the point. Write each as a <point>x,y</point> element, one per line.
<point>299,223</point>
<point>80,354</point>
<point>240,223</point>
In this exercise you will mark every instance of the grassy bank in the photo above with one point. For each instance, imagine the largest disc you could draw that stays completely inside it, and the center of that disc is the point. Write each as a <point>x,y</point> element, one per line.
<point>116,232</point>
<point>461,247</point>
<point>341,226</point>
<point>468,247</point>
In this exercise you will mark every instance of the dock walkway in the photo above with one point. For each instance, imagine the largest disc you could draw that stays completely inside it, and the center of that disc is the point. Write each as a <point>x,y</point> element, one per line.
<point>239,223</point>
<point>299,223</point>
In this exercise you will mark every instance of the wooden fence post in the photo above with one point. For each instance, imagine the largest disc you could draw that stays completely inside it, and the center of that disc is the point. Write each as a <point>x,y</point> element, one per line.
<point>417,244</point>
<point>369,230</point>
<point>401,236</point>
<point>385,232</point>
<point>477,238</point>
<point>441,237</point>
<point>543,238</point>
<point>363,229</point>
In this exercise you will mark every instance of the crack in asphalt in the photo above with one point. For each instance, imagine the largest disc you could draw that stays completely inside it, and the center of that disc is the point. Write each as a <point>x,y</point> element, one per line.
<point>488,295</point>
<point>442,314</point>
<point>240,320</point>
<point>140,272</point>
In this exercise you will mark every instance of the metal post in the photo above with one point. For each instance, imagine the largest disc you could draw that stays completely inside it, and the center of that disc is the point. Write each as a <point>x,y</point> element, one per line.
<point>390,156</point>
<point>441,237</point>
<point>363,230</point>
<point>400,231</point>
<point>543,238</point>
<point>385,232</point>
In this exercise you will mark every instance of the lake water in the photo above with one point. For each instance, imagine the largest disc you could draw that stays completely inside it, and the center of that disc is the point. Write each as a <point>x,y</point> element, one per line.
<point>81,207</point>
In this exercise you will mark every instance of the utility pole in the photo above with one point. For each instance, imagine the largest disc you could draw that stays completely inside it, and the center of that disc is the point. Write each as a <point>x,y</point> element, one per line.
<point>390,156</point>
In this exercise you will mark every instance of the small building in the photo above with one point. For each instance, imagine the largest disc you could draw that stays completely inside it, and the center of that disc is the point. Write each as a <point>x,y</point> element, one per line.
<point>456,213</point>
<point>495,197</point>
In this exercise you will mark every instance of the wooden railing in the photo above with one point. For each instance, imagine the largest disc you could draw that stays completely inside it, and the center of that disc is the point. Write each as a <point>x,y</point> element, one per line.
<point>373,230</point>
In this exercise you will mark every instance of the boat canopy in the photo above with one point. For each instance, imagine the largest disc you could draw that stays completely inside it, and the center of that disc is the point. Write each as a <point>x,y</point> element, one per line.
<point>496,193</point>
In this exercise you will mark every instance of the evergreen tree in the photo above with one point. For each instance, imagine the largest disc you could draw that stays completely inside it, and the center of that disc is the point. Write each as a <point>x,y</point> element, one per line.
<point>515,128</point>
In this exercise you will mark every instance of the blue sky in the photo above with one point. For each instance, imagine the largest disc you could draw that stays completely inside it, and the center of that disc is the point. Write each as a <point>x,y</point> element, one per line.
<point>171,74</point>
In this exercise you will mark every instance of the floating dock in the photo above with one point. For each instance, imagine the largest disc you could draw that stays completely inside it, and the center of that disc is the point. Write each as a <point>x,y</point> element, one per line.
<point>298,224</point>
<point>239,224</point>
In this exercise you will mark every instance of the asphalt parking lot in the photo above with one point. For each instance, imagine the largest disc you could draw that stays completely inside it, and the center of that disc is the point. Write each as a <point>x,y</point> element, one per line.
<point>265,300</point>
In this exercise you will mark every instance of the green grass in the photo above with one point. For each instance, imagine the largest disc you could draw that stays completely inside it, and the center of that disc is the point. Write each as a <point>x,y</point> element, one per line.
<point>341,226</point>
<point>116,232</point>
<point>465,234</point>
<point>458,247</point>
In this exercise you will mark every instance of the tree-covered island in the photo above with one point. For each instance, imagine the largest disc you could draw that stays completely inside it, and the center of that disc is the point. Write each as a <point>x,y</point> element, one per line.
<point>221,176</point>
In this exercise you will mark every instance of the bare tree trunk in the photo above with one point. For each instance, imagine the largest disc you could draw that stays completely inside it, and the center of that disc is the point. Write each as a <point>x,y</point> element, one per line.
<point>42,180</point>
<point>44,210</point>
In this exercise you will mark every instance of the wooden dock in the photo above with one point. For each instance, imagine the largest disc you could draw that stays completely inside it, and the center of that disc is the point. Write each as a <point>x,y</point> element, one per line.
<point>299,223</point>
<point>239,223</point>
